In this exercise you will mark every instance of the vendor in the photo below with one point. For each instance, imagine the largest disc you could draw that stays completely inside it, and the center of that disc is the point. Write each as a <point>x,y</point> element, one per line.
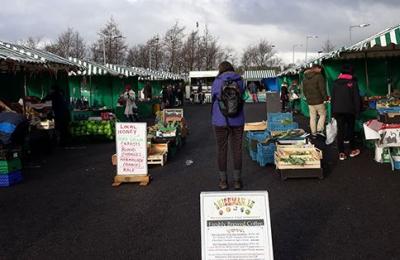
<point>62,115</point>
<point>147,91</point>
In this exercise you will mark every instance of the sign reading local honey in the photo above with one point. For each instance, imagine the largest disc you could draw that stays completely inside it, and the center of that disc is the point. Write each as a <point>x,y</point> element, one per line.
<point>131,141</point>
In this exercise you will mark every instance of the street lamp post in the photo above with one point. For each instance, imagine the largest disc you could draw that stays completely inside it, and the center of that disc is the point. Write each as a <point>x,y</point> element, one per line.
<point>309,37</point>
<point>150,46</point>
<point>294,46</point>
<point>356,26</point>
<point>104,43</point>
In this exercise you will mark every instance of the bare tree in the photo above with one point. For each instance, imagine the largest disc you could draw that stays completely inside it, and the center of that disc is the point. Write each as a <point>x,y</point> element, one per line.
<point>69,44</point>
<point>31,42</point>
<point>328,46</point>
<point>260,56</point>
<point>112,40</point>
<point>138,56</point>
<point>190,51</point>
<point>173,42</point>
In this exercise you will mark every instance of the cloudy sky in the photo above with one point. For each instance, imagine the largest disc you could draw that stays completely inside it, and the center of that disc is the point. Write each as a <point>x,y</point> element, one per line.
<point>237,23</point>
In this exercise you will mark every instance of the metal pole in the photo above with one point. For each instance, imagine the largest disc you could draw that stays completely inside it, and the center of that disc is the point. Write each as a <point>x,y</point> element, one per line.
<point>306,49</point>
<point>104,50</point>
<point>149,56</point>
<point>366,72</point>
<point>350,35</point>
<point>293,54</point>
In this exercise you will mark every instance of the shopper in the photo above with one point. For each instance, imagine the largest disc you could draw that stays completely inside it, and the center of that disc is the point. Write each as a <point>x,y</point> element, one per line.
<point>314,90</point>
<point>284,96</point>
<point>130,104</point>
<point>226,127</point>
<point>294,96</point>
<point>346,108</point>
<point>253,91</point>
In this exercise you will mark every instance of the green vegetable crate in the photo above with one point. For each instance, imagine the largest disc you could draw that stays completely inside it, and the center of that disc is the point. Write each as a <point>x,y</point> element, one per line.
<point>7,166</point>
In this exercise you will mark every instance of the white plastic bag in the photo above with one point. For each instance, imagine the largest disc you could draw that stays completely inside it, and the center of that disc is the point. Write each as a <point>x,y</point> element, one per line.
<point>331,131</point>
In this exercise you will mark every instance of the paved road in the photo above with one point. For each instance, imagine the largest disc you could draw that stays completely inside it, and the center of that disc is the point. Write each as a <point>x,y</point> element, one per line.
<point>67,208</point>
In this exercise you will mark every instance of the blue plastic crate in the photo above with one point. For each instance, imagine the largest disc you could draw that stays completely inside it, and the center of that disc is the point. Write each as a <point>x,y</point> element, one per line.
<point>253,155</point>
<point>396,165</point>
<point>372,104</point>
<point>265,154</point>
<point>277,126</point>
<point>279,117</point>
<point>10,179</point>
<point>257,135</point>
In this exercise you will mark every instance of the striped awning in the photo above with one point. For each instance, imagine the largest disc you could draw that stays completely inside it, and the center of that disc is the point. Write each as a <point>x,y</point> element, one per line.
<point>258,74</point>
<point>21,54</point>
<point>384,38</point>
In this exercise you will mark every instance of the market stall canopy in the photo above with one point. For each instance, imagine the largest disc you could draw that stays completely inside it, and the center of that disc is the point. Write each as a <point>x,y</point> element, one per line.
<point>18,56</point>
<point>258,74</point>
<point>203,74</point>
<point>156,75</point>
<point>383,44</point>
<point>92,68</point>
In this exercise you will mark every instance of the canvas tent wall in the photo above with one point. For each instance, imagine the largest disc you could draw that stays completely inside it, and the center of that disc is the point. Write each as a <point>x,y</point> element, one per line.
<point>27,71</point>
<point>100,84</point>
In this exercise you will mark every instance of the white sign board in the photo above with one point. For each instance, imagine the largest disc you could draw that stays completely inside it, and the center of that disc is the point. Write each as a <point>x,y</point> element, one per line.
<point>235,225</point>
<point>131,139</point>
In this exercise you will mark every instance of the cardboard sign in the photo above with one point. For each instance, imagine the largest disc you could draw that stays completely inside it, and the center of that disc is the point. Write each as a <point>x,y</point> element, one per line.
<point>235,225</point>
<point>131,139</point>
<point>172,115</point>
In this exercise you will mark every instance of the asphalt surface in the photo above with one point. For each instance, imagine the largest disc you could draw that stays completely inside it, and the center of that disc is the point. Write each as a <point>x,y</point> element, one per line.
<point>67,208</point>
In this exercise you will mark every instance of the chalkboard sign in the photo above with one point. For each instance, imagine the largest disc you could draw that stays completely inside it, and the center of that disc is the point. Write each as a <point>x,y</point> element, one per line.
<point>131,139</point>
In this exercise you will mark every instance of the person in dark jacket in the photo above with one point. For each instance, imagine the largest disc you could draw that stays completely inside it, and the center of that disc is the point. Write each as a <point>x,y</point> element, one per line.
<point>284,96</point>
<point>227,126</point>
<point>345,103</point>
<point>61,113</point>
<point>314,89</point>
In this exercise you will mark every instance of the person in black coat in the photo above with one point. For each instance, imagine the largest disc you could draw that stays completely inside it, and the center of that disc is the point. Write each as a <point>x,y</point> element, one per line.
<point>345,104</point>
<point>61,113</point>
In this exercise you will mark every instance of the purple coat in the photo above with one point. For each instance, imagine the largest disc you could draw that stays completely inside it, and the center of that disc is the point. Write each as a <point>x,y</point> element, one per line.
<point>217,117</point>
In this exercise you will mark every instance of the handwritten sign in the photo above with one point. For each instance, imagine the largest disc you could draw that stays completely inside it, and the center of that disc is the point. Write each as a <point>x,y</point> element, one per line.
<point>131,139</point>
<point>173,114</point>
<point>235,225</point>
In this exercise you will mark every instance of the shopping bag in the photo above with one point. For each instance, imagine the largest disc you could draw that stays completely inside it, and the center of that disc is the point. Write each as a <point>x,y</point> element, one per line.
<point>331,131</point>
<point>245,95</point>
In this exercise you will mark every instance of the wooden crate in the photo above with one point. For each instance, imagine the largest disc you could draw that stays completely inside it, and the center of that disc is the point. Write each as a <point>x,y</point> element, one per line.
<point>313,158</point>
<point>256,126</point>
<point>158,154</point>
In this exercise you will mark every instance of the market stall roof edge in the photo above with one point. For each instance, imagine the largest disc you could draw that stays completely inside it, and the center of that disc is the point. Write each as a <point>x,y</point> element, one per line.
<point>19,54</point>
<point>258,74</point>
<point>379,41</point>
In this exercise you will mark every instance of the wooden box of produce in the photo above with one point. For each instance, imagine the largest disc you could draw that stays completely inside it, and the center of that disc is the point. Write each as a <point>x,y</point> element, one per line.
<point>297,157</point>
<point>298,161</point>
<point>256,126</point>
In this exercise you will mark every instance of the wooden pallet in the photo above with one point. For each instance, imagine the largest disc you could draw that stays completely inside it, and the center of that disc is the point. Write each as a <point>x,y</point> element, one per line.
<point>143,180</point>
<point>157,159</point>
<point>158,154</point>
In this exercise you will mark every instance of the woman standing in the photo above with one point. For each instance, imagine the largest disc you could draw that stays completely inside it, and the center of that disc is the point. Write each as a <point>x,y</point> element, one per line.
<point>346,108</point>
<point>228,126</point>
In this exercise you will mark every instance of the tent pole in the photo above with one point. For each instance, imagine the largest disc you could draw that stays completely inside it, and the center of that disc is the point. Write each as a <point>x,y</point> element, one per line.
<point>25,94</point>
<point>90,90</point>
<point>366,71</point>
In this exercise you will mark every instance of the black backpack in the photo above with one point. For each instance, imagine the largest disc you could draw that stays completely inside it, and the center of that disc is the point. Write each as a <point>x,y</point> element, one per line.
<point>230,103</point>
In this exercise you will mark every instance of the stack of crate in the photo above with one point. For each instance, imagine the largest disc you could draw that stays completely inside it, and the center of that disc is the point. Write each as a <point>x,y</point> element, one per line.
<point>10,168</point>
